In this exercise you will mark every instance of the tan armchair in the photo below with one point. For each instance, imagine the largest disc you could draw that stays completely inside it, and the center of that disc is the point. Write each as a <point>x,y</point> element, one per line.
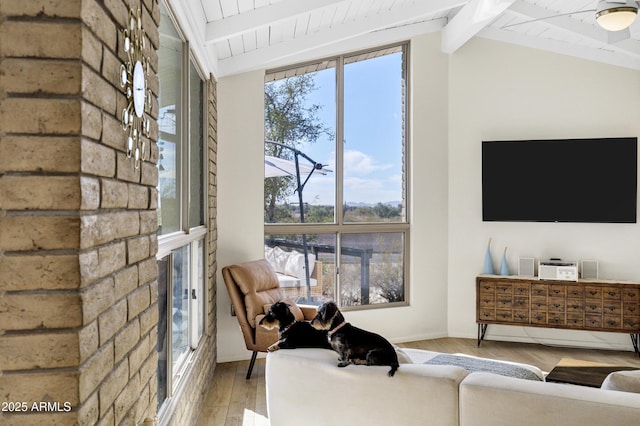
<point>251,286</point>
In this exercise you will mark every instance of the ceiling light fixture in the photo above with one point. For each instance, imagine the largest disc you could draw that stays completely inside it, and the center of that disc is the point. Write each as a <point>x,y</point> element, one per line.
<point>616,15</point>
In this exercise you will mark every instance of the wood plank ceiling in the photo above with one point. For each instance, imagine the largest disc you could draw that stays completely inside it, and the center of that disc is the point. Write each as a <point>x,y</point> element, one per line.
<point>235,36</point>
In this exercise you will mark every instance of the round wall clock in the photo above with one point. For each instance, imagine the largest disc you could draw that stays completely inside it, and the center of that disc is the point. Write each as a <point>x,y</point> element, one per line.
<point>133,78</point>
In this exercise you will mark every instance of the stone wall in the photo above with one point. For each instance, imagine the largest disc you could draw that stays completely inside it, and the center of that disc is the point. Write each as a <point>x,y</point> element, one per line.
<point>78,272</point>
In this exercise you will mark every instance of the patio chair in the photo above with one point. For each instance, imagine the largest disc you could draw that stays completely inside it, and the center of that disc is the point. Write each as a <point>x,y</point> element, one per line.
<point>252,286</point>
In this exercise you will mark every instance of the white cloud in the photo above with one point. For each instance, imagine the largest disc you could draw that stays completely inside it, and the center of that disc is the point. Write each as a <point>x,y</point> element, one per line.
<point>359,163</point>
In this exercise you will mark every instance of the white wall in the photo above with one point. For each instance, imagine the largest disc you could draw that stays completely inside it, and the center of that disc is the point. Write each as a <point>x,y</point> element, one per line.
<point>240,198</point>
<point>500,91</point>
<point>486,90</point>
<point>240,189</point>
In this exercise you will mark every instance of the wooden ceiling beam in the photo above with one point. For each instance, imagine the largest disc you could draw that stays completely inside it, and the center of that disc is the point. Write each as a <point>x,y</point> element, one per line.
<point>261,17</point>
<point>475,16</point>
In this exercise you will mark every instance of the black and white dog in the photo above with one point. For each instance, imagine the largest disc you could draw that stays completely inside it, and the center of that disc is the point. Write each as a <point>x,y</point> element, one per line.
<point>292,334</point>
<point>353,344</point>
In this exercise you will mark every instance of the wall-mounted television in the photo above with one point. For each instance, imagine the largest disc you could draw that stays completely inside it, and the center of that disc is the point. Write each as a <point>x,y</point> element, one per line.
<point>561,180</point>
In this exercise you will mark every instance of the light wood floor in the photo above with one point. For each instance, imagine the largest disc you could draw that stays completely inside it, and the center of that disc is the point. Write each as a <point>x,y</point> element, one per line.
<point>232,400</point>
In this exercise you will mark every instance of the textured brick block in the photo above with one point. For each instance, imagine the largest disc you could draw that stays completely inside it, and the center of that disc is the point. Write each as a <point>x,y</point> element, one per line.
<point>102,228</point>
<point>112,134</point>
<point>40,350</point>
<point>114,384</point>
<point>39,154</point>
<point>89,193</point>
<point>91,49</point>
<point>137,249</point>
<point>111,258</point>
<point>149,366</point>
<point>89,412</point>
<point>48,8</point>
<point>138,301</point>
<point>34,39</point>
<point>147,271</point>
<point>115,194</point>
<point>107,417</point>
<point>39,232</point>
<point>41,76</point>
<point>40,386</point>
<point>112,320</point>
<point>138,197</point>
<point>138,355</point>
<point>97,298</point>
<point>98,159</point>
<point>149,221</point>
<point>88,340</point>
<point>33,115</point>
<point>126,168</point>
<point>39,192</point>
<point>94,370</point>
<point>126,281</point>
<point>127,398</point>
<point>20,311</point>
<point>149,174</point>
<point>149,319</point>
<point>126,339</point>
<point>96,18</point>
<point>91,121</point>
<point>98,91</point>
<point>36,272</point>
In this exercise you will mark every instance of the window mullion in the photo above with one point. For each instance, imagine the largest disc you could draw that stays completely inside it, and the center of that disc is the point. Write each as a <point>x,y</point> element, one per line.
<point>339,138</point>
<point>186,143</point>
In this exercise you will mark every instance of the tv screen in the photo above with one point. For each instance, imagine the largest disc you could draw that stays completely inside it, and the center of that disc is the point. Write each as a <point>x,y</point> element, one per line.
<point>564,180</point>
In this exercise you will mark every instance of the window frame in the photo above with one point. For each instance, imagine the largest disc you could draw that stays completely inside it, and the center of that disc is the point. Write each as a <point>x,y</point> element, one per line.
<point>187,235</point>
<point>339,226</point>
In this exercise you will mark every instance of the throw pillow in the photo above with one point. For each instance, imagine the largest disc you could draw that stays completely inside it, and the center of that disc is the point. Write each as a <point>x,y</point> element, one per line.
<point>625,381</point>
<point>295,264</point>
<point>403,358</point>
<point>503,368</point>
<point>278,259</point>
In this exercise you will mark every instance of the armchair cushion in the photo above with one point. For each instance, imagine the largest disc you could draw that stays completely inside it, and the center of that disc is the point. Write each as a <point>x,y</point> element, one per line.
<point>258,282</point>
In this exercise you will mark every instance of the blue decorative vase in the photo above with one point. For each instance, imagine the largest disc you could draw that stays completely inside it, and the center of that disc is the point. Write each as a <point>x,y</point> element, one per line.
<point>488,262</point>
<point>504,267</point>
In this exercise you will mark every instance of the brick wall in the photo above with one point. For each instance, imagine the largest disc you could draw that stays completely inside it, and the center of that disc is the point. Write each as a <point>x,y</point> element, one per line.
<point>78,289</point>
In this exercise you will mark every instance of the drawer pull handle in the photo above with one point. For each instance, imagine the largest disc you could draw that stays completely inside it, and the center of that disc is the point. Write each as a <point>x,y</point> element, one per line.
<point>611,322</point>
<point>593,293</point>
<point>612,293</point>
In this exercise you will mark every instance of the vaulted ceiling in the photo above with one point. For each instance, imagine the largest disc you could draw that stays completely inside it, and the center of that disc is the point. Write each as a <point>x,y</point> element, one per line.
<point>235,36</point>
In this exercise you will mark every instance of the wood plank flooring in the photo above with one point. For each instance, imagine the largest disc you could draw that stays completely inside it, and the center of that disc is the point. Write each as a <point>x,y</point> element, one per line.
<point>232,400</point>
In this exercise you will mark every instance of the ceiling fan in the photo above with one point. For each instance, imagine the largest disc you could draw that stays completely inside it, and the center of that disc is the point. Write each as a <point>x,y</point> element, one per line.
<point>614,16</point>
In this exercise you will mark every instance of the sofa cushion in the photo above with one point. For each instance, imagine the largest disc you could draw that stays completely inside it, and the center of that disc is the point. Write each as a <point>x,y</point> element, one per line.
<point>277,257</point>
<point>295,309</point>
<point>625,381</point>
<point>475,364</point>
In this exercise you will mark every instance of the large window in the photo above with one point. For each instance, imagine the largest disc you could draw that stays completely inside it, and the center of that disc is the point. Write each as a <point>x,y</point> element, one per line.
<point>181,208</point>
<point>335,191</point>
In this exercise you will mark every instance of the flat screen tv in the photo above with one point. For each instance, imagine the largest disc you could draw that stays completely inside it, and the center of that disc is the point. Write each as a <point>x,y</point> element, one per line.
<point>564,180</point>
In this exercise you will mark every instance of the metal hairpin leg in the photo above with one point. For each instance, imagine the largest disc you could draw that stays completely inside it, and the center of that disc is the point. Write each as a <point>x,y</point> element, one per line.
<point>634,341</point>
<point>482,329</point>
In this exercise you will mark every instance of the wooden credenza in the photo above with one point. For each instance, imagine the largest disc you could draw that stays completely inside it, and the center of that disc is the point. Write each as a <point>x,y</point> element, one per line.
<point>593,305</point>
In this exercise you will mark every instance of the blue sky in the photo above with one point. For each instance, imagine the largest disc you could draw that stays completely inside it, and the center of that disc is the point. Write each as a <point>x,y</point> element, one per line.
<point>372,134</point>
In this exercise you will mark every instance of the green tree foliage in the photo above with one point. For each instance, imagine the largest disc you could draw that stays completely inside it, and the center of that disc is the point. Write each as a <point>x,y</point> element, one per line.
<point>289,120</point>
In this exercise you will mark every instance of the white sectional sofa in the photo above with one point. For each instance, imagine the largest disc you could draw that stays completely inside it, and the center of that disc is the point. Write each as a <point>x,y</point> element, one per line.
<point>305,386</point>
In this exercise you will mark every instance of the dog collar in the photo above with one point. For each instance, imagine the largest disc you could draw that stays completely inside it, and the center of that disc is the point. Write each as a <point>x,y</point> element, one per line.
<point>288,327</point>
<point>330,332</point>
